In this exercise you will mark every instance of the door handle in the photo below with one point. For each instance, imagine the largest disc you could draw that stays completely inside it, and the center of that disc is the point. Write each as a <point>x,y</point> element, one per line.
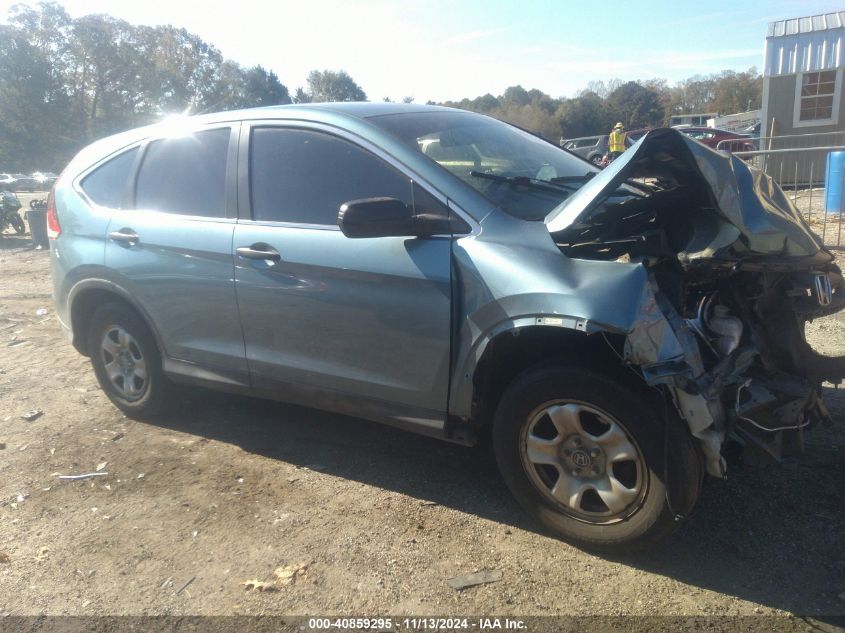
<point>127,236</point>
<point>265,253</point>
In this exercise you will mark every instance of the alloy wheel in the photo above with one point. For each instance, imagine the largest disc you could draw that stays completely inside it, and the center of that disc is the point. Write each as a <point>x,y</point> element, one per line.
<point>124,362</point>
<point>583,462</point>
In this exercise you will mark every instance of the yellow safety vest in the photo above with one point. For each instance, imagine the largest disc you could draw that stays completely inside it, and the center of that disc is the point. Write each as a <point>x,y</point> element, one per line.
<point>616,142</point>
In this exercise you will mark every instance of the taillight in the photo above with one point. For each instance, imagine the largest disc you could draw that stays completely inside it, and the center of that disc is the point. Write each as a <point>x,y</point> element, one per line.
<point>54,229</point>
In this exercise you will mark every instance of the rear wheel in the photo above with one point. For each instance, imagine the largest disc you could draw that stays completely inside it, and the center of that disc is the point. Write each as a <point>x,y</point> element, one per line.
<point>126,360</point>
<point>584,456</point>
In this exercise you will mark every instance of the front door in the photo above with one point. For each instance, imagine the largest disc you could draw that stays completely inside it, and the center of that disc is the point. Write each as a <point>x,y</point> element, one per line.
<point>360,326</point>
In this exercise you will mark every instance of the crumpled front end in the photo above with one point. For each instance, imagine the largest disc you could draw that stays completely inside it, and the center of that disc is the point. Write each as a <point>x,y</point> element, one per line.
<point>734,274</point>
<point>735,361</point>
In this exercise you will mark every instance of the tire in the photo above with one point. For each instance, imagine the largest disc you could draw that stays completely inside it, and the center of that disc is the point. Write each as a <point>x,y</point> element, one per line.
<point>17,224</point>
<point>584,456</point>
<point>127,361</point>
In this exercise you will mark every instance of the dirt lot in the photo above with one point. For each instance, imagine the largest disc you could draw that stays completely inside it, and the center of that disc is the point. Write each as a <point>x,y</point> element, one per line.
<point>224,490</point>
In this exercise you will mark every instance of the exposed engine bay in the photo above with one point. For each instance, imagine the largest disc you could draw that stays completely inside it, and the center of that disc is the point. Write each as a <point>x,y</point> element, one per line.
<point>734,273</point>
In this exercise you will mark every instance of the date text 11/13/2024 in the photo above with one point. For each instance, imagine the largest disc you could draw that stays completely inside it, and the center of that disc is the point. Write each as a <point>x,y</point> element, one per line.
<point>416,624</point>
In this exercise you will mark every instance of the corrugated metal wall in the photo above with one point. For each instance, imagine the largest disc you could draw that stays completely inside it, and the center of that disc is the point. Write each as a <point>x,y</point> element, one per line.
<point>805,44</point>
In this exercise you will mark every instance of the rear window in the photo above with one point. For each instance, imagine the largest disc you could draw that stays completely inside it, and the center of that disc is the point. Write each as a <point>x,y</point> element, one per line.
<point>699,135</point>
<point>107,184</point>
<point>185,175</point>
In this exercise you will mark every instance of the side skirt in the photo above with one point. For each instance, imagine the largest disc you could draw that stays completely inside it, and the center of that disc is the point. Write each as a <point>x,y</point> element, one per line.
<point>415,420</point>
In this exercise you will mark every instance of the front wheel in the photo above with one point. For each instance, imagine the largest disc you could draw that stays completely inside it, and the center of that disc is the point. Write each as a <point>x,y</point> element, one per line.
<point>584,455</point>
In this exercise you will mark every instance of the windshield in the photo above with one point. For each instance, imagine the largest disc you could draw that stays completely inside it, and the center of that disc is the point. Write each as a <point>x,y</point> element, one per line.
<point>523,175</point>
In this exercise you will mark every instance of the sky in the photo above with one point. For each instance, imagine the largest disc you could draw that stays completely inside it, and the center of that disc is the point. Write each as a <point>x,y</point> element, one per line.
<point>449,49</point>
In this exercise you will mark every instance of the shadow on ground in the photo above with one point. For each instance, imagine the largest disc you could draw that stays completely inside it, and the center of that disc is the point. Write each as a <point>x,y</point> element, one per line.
<point>771,534</point>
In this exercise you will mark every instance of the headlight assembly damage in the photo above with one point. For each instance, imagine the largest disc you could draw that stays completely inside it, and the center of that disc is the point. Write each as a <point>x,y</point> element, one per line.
<point>734,273</point>
<point>756,378</point>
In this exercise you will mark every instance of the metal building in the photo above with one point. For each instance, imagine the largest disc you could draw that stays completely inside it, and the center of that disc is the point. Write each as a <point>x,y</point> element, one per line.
<point>802,75</point>
<point>802,110</point>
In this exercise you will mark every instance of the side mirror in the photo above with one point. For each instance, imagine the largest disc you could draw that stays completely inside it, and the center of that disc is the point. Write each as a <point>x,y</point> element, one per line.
<point>389,217</point>
<point>383,217</point>
<point>376,217</point>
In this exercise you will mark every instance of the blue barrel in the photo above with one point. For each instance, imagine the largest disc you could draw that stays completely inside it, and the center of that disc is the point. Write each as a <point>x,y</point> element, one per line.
<point>834,183</point>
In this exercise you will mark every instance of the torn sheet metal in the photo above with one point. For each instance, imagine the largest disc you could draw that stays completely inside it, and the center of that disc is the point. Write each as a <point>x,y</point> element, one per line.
<point>763,220</point>
<point>666,351</point>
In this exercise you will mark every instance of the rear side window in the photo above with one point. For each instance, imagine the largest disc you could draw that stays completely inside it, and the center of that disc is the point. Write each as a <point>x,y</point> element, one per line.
<point>106,185</point>
<point>303,177</point>
<point>185,175</point>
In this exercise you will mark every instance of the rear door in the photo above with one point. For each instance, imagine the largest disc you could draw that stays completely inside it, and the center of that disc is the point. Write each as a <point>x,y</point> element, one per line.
<point>354,325</point>
<point>172,248</point>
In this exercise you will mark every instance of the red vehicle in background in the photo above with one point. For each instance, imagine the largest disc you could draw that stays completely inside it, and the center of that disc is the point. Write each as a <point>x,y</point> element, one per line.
<point>711,137</point>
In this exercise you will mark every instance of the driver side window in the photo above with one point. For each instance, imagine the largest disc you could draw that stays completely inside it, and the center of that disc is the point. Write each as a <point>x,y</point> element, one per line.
<point>303,176</point>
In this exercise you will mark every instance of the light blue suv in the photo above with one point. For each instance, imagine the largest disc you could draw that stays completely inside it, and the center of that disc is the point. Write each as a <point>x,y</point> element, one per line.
<point>614,333</point>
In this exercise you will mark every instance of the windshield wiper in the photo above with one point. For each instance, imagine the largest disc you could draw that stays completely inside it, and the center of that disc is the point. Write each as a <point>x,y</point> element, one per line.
<point>566,179</point>
<point>524,181</point>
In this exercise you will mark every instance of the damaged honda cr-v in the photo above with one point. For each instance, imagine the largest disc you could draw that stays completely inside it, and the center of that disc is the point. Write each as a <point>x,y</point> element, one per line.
<point>615,332</point>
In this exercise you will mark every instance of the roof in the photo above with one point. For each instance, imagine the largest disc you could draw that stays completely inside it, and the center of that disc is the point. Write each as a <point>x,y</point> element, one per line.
<point>358,109</point>
<point>352,116</point>
<point>809,24</point>
<point>807,44</point>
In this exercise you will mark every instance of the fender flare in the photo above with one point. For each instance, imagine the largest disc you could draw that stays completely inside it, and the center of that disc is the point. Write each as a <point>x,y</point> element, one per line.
<point>83,286</point>
<point>461,388</point>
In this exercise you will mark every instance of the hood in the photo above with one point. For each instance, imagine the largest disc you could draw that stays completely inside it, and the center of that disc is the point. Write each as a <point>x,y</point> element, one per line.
<point>755,217</point>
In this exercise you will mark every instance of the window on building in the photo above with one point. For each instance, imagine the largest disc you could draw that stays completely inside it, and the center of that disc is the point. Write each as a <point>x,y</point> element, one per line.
<point>817,94</point>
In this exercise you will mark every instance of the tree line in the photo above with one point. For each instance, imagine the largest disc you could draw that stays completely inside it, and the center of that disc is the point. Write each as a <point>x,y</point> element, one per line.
<point>636,104</point>
<point>65,82</point>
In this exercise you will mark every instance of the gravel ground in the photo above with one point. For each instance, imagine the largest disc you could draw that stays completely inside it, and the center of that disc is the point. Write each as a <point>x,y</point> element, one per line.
<point>224,490</point>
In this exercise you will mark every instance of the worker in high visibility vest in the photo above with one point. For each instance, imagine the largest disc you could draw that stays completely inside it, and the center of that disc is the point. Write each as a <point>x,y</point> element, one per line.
<point>616,141</point>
